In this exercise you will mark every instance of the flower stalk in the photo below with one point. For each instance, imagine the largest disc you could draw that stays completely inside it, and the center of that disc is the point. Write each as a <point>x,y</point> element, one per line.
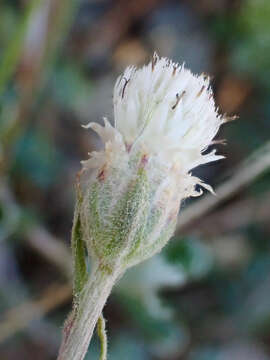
<point>129,194</point>
<point>80,326</point>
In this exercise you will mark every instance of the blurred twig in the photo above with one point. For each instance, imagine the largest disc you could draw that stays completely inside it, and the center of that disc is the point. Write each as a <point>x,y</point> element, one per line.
<point>234,216</point>
<point>114,25</point>
<point>30,34</point>
<point>35,49</point>
<point>18,318</point>
<point>254,166</point>
<point>12,54</point>
<point>51,248</point>
<point>38,238</point>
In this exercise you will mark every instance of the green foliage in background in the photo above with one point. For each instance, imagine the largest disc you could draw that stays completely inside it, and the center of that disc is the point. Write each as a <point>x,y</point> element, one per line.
<point>206,297</point>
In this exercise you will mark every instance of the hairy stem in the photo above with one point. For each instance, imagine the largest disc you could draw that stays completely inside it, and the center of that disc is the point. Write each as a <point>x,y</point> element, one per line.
<point>102,337</point>
<point>79,327</point>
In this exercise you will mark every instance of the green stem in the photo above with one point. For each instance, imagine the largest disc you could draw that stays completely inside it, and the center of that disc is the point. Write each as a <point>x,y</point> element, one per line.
<point>102,337</point>
<point>79,328</point>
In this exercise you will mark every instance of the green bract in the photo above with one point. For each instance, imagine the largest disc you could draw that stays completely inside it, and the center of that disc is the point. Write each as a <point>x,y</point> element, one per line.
<point>122,222</point>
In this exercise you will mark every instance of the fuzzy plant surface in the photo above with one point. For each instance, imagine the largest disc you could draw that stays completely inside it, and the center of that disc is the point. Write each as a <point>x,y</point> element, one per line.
<point>129,194</point>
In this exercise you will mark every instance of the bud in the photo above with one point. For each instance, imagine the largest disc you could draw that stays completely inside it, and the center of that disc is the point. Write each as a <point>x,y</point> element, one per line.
<point>164,120</point>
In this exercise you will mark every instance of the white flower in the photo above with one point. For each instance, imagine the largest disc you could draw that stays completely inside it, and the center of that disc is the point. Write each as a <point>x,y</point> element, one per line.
<point>165,112</point>
<point>165,119</point>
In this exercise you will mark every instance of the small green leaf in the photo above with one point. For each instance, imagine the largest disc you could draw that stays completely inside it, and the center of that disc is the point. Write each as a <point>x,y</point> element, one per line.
<point>78,251</point>
<point>102,337</point>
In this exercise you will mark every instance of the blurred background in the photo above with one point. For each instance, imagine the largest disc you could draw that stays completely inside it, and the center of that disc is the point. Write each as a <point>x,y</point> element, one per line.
<point>207,295</point>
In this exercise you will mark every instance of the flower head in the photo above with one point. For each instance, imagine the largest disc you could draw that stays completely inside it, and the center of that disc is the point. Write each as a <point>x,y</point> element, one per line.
<point>165,118</point>
<point>164,110</point>
<point>167,110</point>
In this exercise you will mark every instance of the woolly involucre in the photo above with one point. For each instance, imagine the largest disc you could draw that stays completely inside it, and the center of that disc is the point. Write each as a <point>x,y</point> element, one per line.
<point>167,114</point>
